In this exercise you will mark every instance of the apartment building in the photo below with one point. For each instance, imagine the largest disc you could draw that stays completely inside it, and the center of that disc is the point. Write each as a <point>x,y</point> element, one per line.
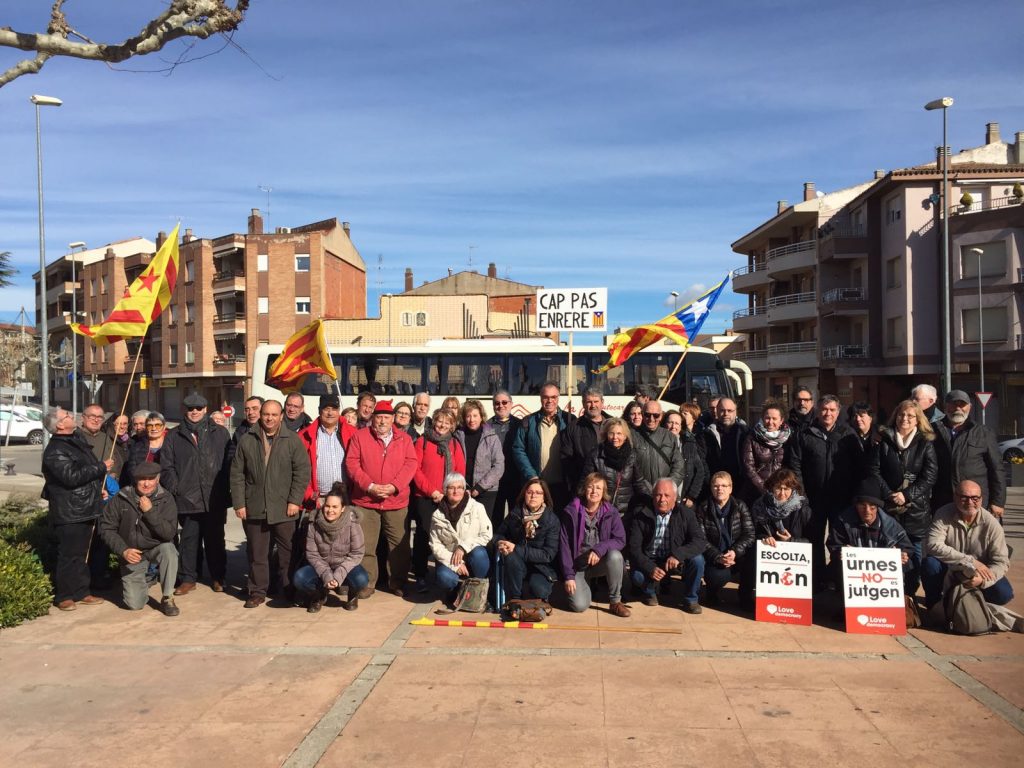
<point>844,289</point>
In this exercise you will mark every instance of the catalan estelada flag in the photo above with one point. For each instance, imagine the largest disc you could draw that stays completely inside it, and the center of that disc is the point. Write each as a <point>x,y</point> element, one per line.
<point>681,326</point>
<point>143,300</point>
<point>303,354</point>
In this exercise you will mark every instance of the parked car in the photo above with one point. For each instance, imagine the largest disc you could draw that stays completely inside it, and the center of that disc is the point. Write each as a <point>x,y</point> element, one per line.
<point>1013,449</point>
<point>21,428</point>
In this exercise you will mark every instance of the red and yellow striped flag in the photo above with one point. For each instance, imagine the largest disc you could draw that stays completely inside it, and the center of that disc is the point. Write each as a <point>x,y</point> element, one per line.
<point>303,354</point>
<point>143,300</point>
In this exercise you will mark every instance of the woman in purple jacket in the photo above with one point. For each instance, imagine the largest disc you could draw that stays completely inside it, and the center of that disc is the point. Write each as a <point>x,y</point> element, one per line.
<point>590,544</point>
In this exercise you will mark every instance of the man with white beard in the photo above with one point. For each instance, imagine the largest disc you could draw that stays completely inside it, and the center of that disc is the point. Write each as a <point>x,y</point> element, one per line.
<point>967,450</point>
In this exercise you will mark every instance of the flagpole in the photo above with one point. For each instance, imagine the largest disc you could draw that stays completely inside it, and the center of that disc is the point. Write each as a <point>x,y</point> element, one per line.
<point>128,390</point>
<point>674,371</point>
<point>571,376</point>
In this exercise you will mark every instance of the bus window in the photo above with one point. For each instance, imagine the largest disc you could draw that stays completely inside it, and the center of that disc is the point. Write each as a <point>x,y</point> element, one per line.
<point>472,375</point>
<point>704,386</point>
<point>433,377</point>
<point>527,373</point>
<point>315,384</point>
<point>611,382</point>
<point>384,374</point>
<point>650,372</point>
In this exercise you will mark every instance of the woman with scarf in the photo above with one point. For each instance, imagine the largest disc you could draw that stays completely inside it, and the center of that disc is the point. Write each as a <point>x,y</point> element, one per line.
<point>782,513</point>
<point>485,458</point>
<point>439,455</point>
<point>764,449</point>
<point>614,460</point>
<point>907,468</point>
<point>334,551</point>
<point>527,542</point>
<point>460,531</point>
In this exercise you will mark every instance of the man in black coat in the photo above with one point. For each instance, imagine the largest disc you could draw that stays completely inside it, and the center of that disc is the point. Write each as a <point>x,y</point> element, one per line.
<point>74,481</point>
<point>665,538</point>
<point>582,438</point>
<point>505,426</point>
<point>195,470</point>
<point>720,445</point>
<point>801,415</point>
<point>967,450</point>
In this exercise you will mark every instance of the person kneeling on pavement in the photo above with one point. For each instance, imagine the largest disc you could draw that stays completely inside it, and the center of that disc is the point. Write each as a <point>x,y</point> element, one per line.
<point>140,524</point>
<point>665,538</point>
<point>527,542</point>
<point>334,551</point>
<point>460,530</point>
<point>729,530</point>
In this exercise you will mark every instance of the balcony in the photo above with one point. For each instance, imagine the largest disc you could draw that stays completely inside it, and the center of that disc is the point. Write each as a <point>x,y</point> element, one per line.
<point>994,204</point>
<point>749,277</point>
<point>227,326</point>
<point>793,307</point>
<point>845,352</point>
<point>792,258</point>
<point>842,240</point>
<point>756,359</point>
<point>58,290</point>
<point>749,319</point>
<point>845,301</point>
<point>230,363</point>
<point>801,354</point>
<point>229,281</point>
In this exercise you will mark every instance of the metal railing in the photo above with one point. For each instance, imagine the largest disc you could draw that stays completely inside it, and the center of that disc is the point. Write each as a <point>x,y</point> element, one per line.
<point>228,274</point>
<point>748,312</point>
<point>986,205</point>
<point>228,359</point>
<point>845,352</point>
<point>793,347</point>
<point>792,298</point>
<point>750,269</point>
<point>227,318</point>
<point>751,354</point>
<point>837,295</point>
<point>786,250</point>
<point>842,228</point>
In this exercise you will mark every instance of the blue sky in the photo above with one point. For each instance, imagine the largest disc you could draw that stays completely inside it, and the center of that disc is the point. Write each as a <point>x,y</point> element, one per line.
<point>572,143</point>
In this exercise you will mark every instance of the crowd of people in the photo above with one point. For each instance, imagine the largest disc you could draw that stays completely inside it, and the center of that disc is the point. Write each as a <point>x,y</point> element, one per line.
<point>552,505</point>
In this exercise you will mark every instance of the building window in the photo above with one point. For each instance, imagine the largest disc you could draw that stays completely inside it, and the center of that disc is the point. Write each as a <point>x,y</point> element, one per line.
<point>261,262</point>
<point>894,328</point>
<point>190,312</point>
<point>302,263</point>
<point>92,287</point>
<point>190,353</point>
<point>893,210</point>
<point>993,260</point>
<point>263,305</point>
<point>190,272</point>
<point>172,314</point>
<point>302,305</point>
<point>92,354</point>
<point>172,354</point>
<point>421,319</point>
<point>103,284</point>
<point>103,355</point>
<point>407,318</point>
<point>995,324</point>
<point>893,273</point>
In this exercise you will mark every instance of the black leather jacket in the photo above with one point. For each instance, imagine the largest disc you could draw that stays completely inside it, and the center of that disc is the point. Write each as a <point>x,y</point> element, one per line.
<point>918,467</point>
<point>74,479</point>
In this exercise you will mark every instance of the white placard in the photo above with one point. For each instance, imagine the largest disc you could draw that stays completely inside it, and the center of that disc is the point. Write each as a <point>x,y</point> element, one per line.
<point>572,309</point>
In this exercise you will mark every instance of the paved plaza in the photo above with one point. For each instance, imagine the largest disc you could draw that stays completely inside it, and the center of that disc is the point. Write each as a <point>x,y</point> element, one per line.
<point>225,686</point>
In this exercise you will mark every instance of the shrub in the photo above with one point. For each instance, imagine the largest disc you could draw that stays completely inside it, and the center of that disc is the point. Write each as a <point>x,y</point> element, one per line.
<point>25,591</point>
<point>23,521</point>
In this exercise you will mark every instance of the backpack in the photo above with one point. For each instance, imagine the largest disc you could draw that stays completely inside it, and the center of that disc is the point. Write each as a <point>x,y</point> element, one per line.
<point>965,611</point>
<point>472,595</point>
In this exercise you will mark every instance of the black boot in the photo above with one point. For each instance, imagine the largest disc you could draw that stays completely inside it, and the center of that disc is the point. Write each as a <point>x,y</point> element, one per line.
<point>316,602</point>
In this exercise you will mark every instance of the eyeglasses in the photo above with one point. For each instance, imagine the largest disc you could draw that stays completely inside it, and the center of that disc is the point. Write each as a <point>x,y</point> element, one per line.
<point>535,493</point>
<point>549,397</point>
<point>455,488</point>
<point>93,415</point>
<point>804,399</point>
<point>652,415</point>
<point>970,499</point>
<point>503,402</point>
<point>154,426</point>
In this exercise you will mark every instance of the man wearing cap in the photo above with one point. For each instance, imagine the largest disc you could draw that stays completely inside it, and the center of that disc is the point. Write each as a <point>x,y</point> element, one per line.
<point>967,450</point>
<point>295,417</point>
<point>195,466</point>
<point>269,477</point>
<point>380,463</point>
<point>139,525</point>
<point>326,441</point>
<point>866,524</point>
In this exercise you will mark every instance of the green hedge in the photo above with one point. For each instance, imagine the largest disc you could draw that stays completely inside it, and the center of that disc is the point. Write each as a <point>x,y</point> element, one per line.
<point>25,589</point>
<point>23,521</point>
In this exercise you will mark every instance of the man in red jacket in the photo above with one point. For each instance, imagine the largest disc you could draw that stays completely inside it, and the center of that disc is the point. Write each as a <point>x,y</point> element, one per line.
<point>380,463</point>
<point>326,441</point>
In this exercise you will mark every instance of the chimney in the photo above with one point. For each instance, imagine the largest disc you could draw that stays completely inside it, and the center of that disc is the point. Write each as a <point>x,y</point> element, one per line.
<point>161,238</point>
<point>408,279</point>
<point>782,205</point>
<point>879,173</point>
<point>991,133</point>
<point>109,253</point>
<point>1019,148</point>
<point>188,236</point>
<point>492,270</point>
<point>348,229</point>
<point>938,158</point>
<point>809,191</point>
<point>255,222</point>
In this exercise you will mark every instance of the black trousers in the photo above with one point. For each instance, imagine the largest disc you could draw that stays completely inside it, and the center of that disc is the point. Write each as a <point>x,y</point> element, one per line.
<point>72,575</point>
<point>259,534</point>
<point>207,528</point>
<point>421,509</point>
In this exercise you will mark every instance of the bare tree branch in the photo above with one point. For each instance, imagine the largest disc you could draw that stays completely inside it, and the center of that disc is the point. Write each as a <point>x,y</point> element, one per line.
<point>182,18</point>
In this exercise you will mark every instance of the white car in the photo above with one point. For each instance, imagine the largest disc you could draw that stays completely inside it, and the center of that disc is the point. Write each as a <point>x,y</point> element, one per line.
<point>21,428</point>
<point>1012,449</point>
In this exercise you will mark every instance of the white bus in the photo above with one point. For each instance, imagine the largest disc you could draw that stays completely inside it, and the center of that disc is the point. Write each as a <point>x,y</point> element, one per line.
<point>477,368</point>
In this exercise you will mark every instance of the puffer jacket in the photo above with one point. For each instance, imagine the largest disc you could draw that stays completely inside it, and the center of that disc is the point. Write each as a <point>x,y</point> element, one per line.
<point>919,467</point>
<point>973,455</point>
<point>73,478</point>
<point>760,461</point>
<point>473,530</point>
<point>825,463</point>
<point>695,473</point>
<point>741,528</point>
<point>489,463</point>
<point>197,474</point>
<point>621,483</point>
<point>334,560</point>
<point>124,526</point>
<point>539,552</point>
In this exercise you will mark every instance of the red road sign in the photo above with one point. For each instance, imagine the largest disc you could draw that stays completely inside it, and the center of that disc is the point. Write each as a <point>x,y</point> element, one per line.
<point>228,411</point>
<point>983,398</point>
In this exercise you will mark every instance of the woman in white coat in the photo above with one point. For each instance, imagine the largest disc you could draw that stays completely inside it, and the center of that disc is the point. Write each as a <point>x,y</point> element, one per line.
<point>460,531</point>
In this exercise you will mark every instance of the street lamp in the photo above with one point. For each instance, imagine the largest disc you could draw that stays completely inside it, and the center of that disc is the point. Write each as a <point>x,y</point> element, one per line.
<point>981,330</point>
<point>78,244</point>
<point>44,366</point>
<point>947,365</point>
<point>675,300</point>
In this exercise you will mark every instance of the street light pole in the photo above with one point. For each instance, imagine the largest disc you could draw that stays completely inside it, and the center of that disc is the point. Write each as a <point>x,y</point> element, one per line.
<point>981,330</point>
<point>74,319</point>
<point>947,358</point>
<point>675,300</point>
<point>44,364</point>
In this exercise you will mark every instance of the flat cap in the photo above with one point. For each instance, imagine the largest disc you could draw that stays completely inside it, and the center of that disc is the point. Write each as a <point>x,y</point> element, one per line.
<point>146,470</point>
<point>195,400</point>
<point>958,396</point>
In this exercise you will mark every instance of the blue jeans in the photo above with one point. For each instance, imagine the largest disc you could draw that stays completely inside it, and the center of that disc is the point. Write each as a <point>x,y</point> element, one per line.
<point>477,563</point>
<point>933,577</point>
<point>307,581</point>
<point>692,571</point>
<point>912,570</point>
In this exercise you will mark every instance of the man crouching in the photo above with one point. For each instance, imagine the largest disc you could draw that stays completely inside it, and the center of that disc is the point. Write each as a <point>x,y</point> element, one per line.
<point>139,524</point>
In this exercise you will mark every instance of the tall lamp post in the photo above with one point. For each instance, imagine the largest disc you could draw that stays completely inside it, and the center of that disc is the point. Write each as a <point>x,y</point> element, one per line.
<point>75,246</point>
<point>947,363</point>
<point>981,330</point>
<point>44,342</point>
<point>675,300</point>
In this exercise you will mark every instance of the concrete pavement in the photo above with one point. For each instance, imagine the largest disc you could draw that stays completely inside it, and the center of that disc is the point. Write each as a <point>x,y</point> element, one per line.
<point>221,685</point>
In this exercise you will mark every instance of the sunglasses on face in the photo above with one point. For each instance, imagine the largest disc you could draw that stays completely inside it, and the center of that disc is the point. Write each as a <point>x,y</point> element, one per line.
<point>192,408</point>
